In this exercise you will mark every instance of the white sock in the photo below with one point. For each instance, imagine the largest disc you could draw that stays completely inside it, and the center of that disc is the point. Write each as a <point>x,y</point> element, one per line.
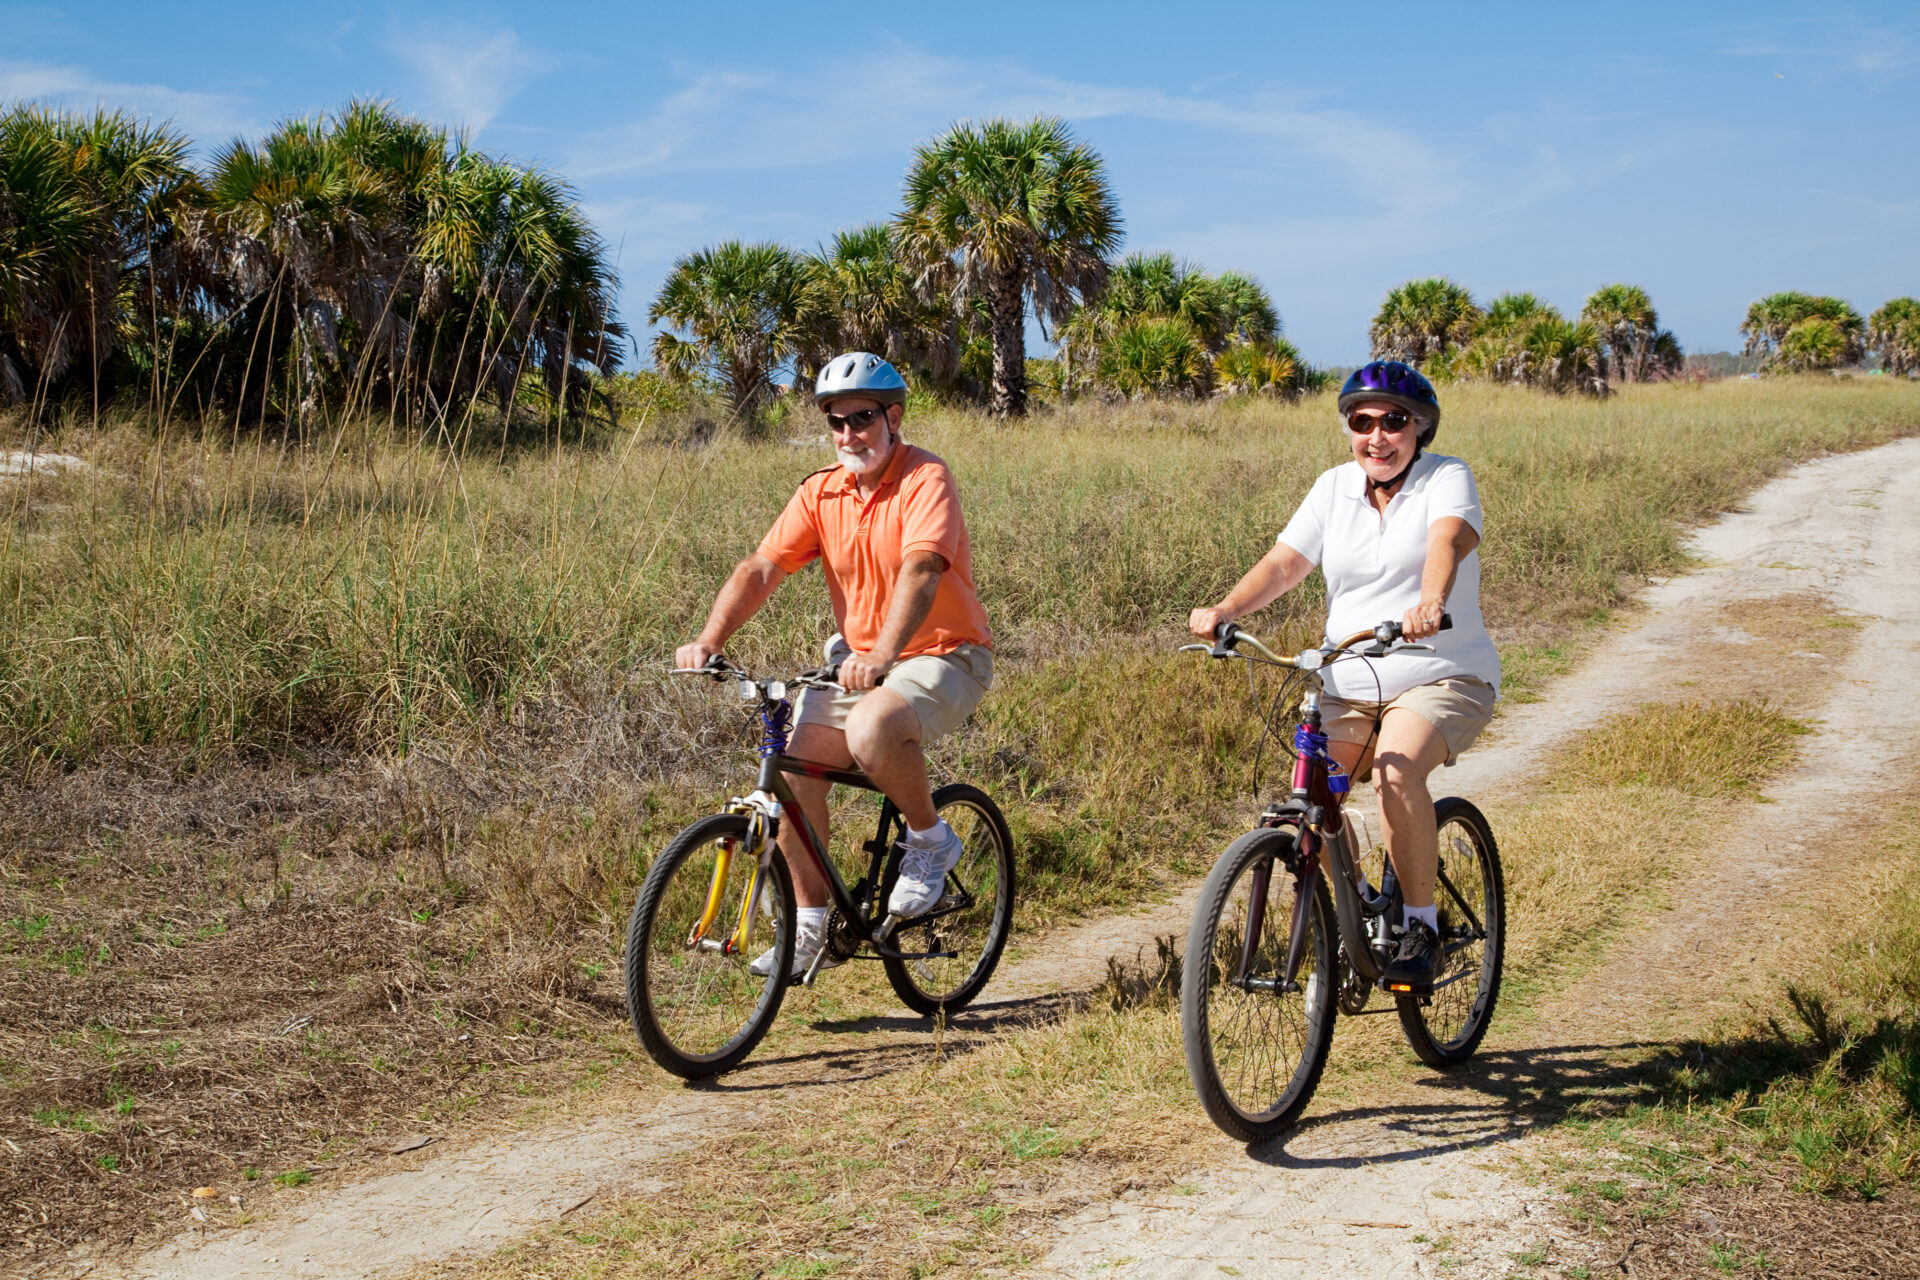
<point>928,836</point>
<point>814,918</point>
<point>1429,914</point>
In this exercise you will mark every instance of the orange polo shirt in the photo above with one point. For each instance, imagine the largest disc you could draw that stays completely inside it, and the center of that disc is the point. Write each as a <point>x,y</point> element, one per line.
<point>862,542</point>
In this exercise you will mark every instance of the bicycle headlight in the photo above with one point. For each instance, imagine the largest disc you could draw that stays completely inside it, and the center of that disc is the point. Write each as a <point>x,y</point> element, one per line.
<point>776,689</point>
<point>1310,660</point>
<point>748,690</point>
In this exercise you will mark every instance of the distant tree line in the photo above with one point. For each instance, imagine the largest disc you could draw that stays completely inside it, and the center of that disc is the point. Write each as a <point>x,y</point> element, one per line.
<point>1799,333</point>
<point>1000,221</point>
<point>363,259</point>
<point>1517,338</point>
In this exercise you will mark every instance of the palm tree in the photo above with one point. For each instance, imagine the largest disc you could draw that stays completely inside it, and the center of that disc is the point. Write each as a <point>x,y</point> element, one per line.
<point>1525,341</point>
<point>1423,319</point>
<point>1894,331</point>
<point>744,309</point>
<point>1219,310</point>
<point>1638,349</point>
<point>1771,321</point>
<point>85,201</point>
<point>870,303</point>
<point>1272,367</point>
<point>512,278</point>
<point>381,255</point>
<point>1155,356</point>
<point>1499,351</point>
<point>1018,214</point>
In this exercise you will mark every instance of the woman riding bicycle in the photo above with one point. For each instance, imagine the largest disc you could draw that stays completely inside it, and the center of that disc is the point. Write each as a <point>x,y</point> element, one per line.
<point>1394,531</point>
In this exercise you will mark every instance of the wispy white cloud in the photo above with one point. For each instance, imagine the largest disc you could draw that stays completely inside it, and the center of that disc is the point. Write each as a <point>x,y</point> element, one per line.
<point>206,117</point>
<point>468,71</point>
<point>816,115</point>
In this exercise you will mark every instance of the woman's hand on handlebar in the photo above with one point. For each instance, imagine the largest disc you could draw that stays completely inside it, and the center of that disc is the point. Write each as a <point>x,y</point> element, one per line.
<point>1205,622</point>
<point>1422,620</point>
<point>862,671</point>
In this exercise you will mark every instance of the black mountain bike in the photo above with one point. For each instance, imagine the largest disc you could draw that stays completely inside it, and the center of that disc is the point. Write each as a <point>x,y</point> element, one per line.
<point>720,892</point>
<point>1270,961</point>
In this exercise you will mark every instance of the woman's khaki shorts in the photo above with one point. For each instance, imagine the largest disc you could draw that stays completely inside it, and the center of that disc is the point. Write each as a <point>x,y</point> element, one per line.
<point>942,689</point>
<point>1459,707</point>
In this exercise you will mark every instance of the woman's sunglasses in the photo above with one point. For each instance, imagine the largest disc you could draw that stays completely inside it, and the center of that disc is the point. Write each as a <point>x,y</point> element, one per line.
<point>858,420</point>
<point>1392,423</point>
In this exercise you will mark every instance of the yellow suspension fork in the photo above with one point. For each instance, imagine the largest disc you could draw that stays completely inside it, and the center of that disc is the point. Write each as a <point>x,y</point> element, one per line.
<point>714,892</point>
<point>743,930</point>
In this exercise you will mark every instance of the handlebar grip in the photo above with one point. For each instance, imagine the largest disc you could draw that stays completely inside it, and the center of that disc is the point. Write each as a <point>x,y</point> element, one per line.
<point>832,673</point>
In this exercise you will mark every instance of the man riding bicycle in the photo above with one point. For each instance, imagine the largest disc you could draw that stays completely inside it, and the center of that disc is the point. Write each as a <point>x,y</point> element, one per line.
<point>886,525</point>
<point>1395,532</point>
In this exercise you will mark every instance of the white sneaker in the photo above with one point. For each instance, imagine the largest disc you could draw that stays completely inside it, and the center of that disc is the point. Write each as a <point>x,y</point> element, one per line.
<point>806,945</point>
<point>923,872</point>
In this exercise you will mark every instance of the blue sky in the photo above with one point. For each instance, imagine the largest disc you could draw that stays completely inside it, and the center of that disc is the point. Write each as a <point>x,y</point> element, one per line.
<point>1708,152</point>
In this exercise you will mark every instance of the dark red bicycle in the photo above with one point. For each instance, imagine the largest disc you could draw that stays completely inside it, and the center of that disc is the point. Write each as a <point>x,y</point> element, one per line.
<point>1271,961</point>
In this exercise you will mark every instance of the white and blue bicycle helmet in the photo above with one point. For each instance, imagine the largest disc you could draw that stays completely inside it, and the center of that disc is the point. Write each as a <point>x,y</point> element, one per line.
<point>860,373</point>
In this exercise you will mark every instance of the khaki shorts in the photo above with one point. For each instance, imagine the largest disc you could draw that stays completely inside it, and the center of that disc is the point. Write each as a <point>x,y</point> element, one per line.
<point>1459,707</point>
<point>943,689</point>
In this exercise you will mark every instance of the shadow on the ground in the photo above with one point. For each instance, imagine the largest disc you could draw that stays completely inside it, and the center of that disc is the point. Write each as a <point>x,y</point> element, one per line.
<point>1493,1097</point>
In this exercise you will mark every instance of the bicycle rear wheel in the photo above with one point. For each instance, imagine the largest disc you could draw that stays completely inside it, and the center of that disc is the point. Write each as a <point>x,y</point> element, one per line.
<point>976,932</point>
<point>1254,1050</point>
<point>1446,1029</point>
<point>695,1001</point>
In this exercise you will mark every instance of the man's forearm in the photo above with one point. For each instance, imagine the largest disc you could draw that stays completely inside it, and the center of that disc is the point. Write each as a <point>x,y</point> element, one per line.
<point>746,589</point>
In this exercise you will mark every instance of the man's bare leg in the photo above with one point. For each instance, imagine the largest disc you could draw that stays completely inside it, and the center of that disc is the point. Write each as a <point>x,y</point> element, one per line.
<point>825,746</point>
<point>883,735</point>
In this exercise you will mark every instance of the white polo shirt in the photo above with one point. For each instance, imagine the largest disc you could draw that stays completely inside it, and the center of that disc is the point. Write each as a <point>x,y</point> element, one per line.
<point>1373,561</point>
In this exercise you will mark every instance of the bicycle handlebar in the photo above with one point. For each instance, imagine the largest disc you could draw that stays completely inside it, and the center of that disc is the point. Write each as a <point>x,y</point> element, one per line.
<point>720,668</point>
<point>1227,637</point>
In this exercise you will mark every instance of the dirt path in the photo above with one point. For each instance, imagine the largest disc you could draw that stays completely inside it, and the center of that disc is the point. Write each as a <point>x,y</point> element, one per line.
<point>1406,1188</point>
<point>1346,1194</point>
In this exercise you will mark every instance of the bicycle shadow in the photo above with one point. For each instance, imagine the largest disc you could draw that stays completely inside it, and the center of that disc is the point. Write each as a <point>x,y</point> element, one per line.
<point>1494,1098</point>
<point>971,1029</point>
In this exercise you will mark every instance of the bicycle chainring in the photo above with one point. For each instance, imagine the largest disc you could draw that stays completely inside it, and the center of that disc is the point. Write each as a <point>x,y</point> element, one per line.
<point>1355,990</point>
<point>842,941</point>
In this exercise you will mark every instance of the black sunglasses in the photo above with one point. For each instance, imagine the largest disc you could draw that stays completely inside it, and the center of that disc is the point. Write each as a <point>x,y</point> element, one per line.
<point>858,420</point>
<point>1392,423</point>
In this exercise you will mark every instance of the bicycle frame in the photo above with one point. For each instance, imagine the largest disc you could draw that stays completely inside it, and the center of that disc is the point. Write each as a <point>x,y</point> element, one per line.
<point>772,802</point>
<point>1316,805</point>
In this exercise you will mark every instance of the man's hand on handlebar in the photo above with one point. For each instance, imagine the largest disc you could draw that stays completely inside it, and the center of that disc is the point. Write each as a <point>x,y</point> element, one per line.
<point>1206,622</point>
<point>862,671</point>
<point>695,654</point>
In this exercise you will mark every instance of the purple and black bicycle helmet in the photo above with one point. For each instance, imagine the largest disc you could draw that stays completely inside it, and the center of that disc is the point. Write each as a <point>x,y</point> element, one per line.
<point>1396,383</point>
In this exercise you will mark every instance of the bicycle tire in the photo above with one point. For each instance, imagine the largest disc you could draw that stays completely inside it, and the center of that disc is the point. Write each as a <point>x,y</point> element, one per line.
<point>699,1011</point>
<point>1256,1056</point>
<point>1445,1029</point>
<point>977,935</point>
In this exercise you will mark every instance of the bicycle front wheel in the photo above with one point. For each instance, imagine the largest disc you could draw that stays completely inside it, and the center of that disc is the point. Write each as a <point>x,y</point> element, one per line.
<point>1472,897</point>
<point>971,922</point>
<point>1256,1045</point>
<point>696,1003</point>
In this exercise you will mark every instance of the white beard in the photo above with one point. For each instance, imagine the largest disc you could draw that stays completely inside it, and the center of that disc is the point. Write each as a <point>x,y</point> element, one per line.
<point>865,464</point>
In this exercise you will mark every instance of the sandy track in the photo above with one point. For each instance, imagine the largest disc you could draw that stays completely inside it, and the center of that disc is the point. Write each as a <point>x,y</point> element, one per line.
<point>1314,1204</point>
<point>1347,1192</point>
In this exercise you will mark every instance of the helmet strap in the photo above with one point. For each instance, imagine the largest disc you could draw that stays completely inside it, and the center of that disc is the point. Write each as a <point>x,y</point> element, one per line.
<point>1387,486</point>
